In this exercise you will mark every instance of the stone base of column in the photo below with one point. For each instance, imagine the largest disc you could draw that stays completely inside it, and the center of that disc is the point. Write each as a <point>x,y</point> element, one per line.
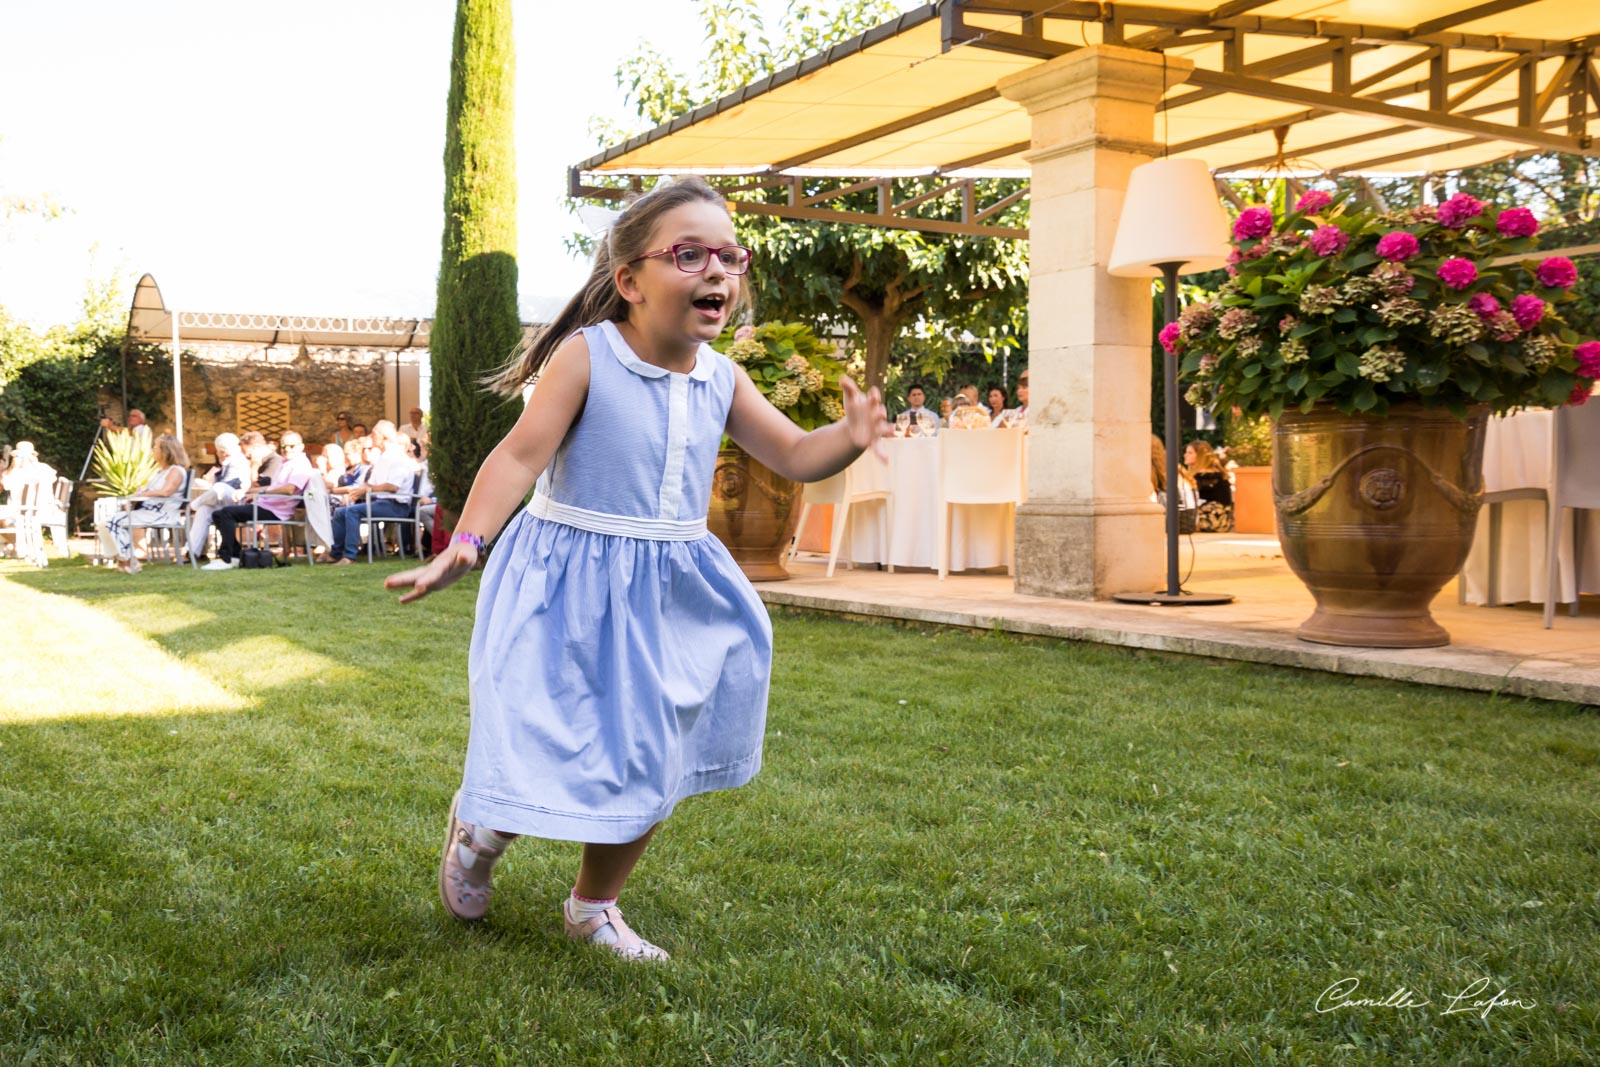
<point>1089,551</point>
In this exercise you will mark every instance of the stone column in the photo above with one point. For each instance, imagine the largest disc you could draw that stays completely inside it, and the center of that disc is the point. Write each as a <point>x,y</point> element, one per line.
<point>1089,528</point>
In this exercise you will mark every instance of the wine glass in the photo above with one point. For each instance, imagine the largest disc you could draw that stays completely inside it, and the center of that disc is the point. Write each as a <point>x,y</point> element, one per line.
<point>926,422</point>
<point>902,424</point>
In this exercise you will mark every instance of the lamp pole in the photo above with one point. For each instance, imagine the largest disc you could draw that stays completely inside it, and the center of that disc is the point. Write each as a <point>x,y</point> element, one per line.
<point>1173,594</point>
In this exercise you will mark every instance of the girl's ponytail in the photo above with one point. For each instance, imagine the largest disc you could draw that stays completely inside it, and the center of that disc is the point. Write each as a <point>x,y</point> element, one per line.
<point>598,300</point>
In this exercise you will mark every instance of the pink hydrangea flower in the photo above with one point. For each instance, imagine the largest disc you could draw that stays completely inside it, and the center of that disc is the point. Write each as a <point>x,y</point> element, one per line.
<point>1580,394</point>
<point>1397,247</point>
<point>1459,210</point>
<point>1588,356</point>
<point>1458,273</point>
<point>1557,272</point>
<point>1314,200</point>
<point>1527,310</point>
<point>1252,222</point>
<point>1516,222</point>
<point>744,333</point>
<point>1329,241</point>
<point>1485,305</point>
<point>1169,336</point>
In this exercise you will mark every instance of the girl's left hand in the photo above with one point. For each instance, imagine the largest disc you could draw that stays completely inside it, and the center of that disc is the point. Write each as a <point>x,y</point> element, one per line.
<point>865,419</point>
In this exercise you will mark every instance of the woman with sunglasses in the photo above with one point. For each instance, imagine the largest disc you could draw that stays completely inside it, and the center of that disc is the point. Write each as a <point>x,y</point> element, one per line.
<point>619,659</point>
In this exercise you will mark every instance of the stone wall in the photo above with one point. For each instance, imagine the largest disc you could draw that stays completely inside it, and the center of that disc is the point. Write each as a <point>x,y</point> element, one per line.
<point>320,383</point>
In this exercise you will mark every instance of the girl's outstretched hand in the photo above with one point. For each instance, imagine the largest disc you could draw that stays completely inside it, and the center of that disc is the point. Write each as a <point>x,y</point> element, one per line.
<point>443,570</point>
<point>865,419</point>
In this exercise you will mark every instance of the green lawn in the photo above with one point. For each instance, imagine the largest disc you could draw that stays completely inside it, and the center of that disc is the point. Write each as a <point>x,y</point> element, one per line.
<point>223,796</point>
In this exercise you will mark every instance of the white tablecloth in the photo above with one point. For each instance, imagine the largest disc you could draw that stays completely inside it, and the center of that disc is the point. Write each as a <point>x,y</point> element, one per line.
<point>979,536</point>
<point>1516,454</point>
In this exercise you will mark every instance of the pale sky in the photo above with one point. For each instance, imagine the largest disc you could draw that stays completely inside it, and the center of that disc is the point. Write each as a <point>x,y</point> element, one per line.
<point>287,157</point>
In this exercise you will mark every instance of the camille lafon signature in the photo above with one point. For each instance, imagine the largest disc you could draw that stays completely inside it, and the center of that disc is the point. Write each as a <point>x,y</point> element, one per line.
<point>1342,994</point>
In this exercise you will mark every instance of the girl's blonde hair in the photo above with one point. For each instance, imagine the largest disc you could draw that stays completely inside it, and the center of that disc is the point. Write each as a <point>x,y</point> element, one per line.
<point>1205,459</point>
<point>169,449</point>
<point>599,301</point>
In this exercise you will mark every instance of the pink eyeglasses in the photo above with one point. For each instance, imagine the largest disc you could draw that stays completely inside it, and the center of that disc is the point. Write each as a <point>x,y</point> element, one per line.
<point>692,257</point>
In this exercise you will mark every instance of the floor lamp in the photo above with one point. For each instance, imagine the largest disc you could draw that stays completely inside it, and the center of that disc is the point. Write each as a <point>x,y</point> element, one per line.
<point>1172,223</point>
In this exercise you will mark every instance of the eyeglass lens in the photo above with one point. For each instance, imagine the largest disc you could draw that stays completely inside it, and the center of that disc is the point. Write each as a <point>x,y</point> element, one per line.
<point>693,258</point>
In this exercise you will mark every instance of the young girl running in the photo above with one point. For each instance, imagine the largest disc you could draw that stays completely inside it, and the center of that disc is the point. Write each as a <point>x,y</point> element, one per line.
<point>619,659</point>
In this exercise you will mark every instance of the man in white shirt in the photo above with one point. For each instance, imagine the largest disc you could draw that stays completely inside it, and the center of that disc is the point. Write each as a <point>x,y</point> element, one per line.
<point>414,429</point>
<point>136,426</point>
<point>915,399</point>
<point>388,486</point>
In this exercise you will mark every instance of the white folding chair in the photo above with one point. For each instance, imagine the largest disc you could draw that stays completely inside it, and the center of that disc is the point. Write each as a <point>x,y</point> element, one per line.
<point>843,490</point>
<point>1495,502</point>
<point>980,468</point>
<point>56,521</point>
<point>1574,486</point>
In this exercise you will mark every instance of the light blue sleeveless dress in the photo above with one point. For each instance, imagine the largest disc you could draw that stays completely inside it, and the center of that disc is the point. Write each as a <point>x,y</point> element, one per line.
<point>620,659</point>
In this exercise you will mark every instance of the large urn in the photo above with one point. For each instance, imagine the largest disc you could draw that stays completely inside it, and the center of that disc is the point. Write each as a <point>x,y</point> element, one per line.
<point>754,513</point>
<point>1375,515</point>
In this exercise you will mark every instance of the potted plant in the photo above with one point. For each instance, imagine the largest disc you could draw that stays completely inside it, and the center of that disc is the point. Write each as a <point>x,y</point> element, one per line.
<point>1249,445</point>
<point>1378,343</point>
<point>753,510</point>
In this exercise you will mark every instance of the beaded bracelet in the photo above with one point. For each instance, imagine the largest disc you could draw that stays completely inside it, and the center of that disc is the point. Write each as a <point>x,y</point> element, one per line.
<point>469,538</point>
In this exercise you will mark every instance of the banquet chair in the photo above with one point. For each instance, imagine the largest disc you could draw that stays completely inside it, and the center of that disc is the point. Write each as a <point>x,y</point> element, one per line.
<point>22,525</point>
<point>286,525</point>
<point>1495,502</point>
<point>57,524</point>
<point>980,469</point>
<point>375,526</point>
<point>842,491</point>
<point>1574,487</point>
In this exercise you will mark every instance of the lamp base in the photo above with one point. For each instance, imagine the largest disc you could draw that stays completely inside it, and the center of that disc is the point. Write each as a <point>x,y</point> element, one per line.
<point>1165,599</point>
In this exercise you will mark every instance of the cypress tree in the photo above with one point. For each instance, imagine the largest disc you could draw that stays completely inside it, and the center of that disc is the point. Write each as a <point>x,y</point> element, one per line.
<point>475,322</point>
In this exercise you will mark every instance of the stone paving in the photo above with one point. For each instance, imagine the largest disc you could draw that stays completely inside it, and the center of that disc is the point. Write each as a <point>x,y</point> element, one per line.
<point>1504,649</point>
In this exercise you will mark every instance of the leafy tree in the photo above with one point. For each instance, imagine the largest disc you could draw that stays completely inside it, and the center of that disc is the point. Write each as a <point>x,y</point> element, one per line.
<point>475,325</point>
<point>951,289</point>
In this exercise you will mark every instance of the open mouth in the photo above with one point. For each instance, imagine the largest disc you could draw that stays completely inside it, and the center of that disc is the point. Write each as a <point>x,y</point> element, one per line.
<point>712,303</point>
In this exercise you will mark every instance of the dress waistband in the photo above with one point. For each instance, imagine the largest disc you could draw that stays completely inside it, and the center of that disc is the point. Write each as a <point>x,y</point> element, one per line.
<point>601,522</point>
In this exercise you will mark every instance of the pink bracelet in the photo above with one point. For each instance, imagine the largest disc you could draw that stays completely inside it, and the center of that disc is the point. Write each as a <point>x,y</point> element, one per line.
<point>468,538</point>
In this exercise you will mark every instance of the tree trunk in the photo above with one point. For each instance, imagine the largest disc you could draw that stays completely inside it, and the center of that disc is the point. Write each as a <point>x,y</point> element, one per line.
<point>879,331</point>
<point>476,325</point>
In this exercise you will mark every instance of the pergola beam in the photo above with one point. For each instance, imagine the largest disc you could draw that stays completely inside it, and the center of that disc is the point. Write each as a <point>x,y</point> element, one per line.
<point>862,218</point>
<point>1471,14</point>
<point>1406,116</point>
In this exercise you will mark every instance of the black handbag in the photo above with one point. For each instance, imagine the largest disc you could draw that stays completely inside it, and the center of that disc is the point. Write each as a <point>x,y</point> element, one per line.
<point>256,559</point>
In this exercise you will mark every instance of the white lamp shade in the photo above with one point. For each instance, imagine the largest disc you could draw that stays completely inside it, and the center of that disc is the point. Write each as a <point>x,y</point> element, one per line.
<point>1171,215</point>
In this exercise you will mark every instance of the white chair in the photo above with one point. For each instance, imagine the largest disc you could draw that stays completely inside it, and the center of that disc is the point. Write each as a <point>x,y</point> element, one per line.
<point>1495,502</point>
<point>22,527</point>
<point>843,490</point>
<point>56,521</point>
<point>980,468</point>
<point>1574,485</point>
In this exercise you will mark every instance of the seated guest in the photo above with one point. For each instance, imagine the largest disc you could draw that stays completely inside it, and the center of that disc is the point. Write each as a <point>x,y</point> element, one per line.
<point>359,429</point>
<point>392,475</point>
<point>158,503</point>
<point>342,430</point>
<point>915,399</point>
<point>224,484</point>
<point>330,464</point>
<point>278,499</point>
<point>26,470</point>
<point>263,457</point>
<point>946,406</point>
<point>1187,498</point>
<point>997,405</point>
<point>1022,393</point>
<point>366,455</point>
<point>355,468</point>
<point>414,429</point>
<point>1211,483</point>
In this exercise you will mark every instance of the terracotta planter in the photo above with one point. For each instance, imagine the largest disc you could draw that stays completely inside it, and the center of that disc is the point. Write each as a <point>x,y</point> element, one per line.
<point>754,513</point>
<point>1252,501</point>
<point>1375,515</point>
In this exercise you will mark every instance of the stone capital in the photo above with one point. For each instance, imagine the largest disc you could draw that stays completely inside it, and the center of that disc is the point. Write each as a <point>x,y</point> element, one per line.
<point>1108,72</point>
